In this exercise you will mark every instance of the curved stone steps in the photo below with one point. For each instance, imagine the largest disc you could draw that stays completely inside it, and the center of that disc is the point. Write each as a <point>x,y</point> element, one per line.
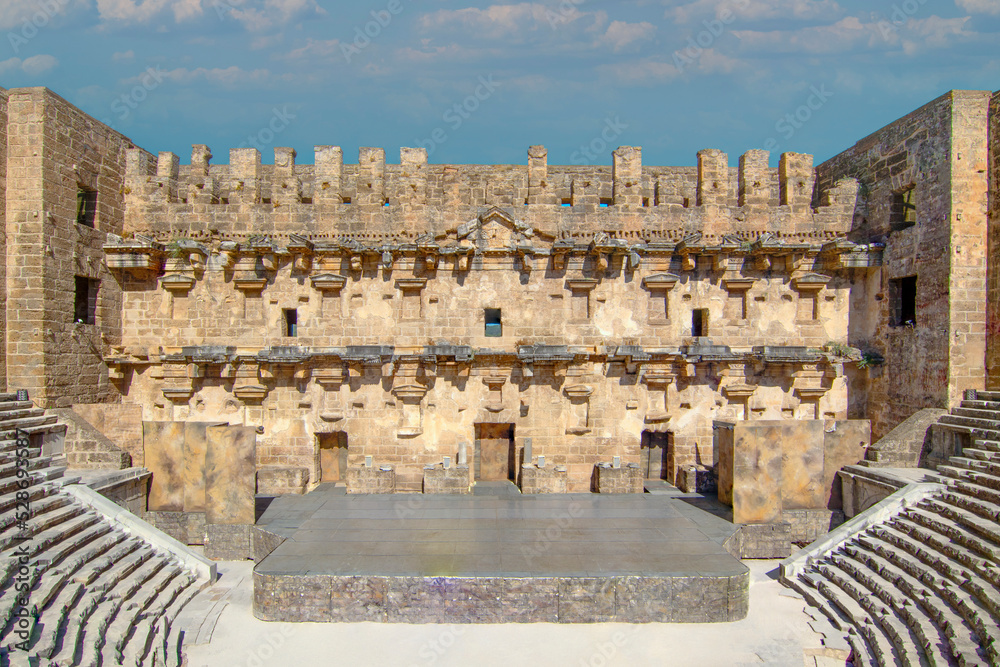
<point>9,428</point>
<point>986,510</point>
<point>51,620</point>
<point>9,501</point>
<point>93,569</point>
<point>956,552</point>
<point>44,505</point>
<point>983,611</point>
<point>138,637</point>
<point>981,454</point>
<point>42,522</point>
<point>47,540</point>
<point>974,490</point>
<point>47,643</point>
<point>987,466</point>
<point>974,476</point>
<point>121,597</point>
<point>56,577</point>
<point>882,649</point>
<point>887,607</point>
<point>984,528</point>
<point>95,603</point>
<point>958,534</point>
<point>921,586</point>
<point>930,641</point>
<point>173,642</point>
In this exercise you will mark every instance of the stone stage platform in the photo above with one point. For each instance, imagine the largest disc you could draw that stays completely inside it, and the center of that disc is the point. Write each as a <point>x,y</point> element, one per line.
<point>573,558</point>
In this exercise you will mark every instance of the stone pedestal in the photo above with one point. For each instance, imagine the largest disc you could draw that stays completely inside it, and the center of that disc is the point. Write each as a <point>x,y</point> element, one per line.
<point>279,481</point>
<point>543,480</point>
<point>696,479</point>
<point>627,479</point>
<point>371,480</point>
<point>438,479</point>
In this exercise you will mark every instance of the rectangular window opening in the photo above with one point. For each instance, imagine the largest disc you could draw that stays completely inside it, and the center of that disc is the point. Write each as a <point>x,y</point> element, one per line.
<point>291,322</point>
<point>606,202</point>
<point>494,326</point>
<point>566,202</point>
<point>86,206</point>
<point>903,213</point>
<point>903,292</point>
<point>699,322</point>
<point>85,300</point>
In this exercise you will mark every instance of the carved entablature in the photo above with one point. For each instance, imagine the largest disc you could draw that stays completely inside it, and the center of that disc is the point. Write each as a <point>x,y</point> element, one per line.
<point>140,255</point>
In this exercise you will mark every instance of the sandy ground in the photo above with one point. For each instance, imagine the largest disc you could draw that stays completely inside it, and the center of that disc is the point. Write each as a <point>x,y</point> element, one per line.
<point>778,631</point>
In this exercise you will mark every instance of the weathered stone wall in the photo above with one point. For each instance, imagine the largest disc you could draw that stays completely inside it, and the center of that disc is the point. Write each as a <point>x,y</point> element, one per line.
<point>993,293</point>
<point>54,149</point>
<point>222,253</point>
<point>121,423</point>
<point>3,239</point>
<point>940,149</point>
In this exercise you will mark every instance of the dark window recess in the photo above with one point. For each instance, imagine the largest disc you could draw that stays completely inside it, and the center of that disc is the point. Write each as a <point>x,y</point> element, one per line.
<point>903,292</point>
<point>86,207</point>
<point>291,322</point>
<point>904,209</point>
<point>85,302</point>
<point>699,322</point>
<point>494,327</point>
<point>567,202</point>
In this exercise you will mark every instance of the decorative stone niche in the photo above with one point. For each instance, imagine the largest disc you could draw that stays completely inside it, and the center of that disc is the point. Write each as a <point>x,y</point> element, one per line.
<point>659,287</point>
<point>579,396</point>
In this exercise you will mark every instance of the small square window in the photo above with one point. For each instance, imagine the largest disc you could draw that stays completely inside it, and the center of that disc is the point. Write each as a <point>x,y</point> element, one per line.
<point>85,300</point>
<point>903,295</point>
<point>86,206</point>
<point>494,327</point>
<point>699,322</point>
<point>904,209</point>
<point>291,322</point>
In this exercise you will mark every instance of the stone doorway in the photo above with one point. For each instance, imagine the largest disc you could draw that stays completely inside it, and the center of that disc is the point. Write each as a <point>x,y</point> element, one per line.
<point>495,456</point>
<point>653,450</point>
<point>332,456</point>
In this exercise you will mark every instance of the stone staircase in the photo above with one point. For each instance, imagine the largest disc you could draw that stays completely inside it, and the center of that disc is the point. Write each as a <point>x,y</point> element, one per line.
<point>916,579</point>
<point>77,587</point>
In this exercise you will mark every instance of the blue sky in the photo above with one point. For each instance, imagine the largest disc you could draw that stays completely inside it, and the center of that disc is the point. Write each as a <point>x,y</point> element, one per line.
<point>477,82</point>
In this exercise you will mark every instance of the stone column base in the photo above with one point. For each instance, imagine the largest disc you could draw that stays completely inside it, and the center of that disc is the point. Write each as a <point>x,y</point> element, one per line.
<point>438,479</point>
<point>378,479</point>
<point>627,479</point>
<point>543,480</point>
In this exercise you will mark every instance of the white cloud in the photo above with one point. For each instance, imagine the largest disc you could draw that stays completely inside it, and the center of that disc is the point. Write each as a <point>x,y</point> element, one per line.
<point>38,15</point>
<point>253,14</point>
<point>621,35</point>
<point>498,21</point>
<point>38,64</point>
<point>851,34</point>
<point>123,55</point>
<point>980,6</point>
<point>753,10</point>
<point>228,76</point>
<point>653,70</point>
<point>32,66</point>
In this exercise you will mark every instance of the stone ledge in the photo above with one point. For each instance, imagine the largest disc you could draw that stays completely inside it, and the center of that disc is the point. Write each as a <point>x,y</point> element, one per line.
<point>300,598</point>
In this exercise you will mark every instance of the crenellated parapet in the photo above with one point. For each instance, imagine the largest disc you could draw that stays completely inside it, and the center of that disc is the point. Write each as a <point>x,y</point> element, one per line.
<point>414,198</point>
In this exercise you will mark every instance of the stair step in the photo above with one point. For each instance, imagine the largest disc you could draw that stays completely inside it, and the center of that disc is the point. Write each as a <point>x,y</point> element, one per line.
<point>957,533</point>
<point>115,594</point>
<point>8,414</point>
<point>982,404</point>
<point>56,577</point>
<point>25,423</point>
<point>985,528</point>
<point>883,650</point>
<point>989,444</point>
<point>987,395</point>
<point>14,404</point>
<point>51,622</point>
<point>138,608</point>
<point>981,454</point>
<point>902,572</point>
<point>93,568</point>
<point>929,641</point>
<point>986,510</point>
<point>986,415</point>
<point>885,606</point>
<point>968,558</point>
<point>974,476</point>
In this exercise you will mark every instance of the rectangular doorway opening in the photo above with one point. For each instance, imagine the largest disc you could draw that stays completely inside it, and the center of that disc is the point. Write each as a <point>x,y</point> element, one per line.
<point>495,458</point>
<point>653,452</point>
<point>332,456</point>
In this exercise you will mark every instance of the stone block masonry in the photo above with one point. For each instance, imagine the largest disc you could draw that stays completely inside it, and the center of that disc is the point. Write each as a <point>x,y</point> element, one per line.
<point>993,283</point>
<point>924,185</point>
<point>398,306</point>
